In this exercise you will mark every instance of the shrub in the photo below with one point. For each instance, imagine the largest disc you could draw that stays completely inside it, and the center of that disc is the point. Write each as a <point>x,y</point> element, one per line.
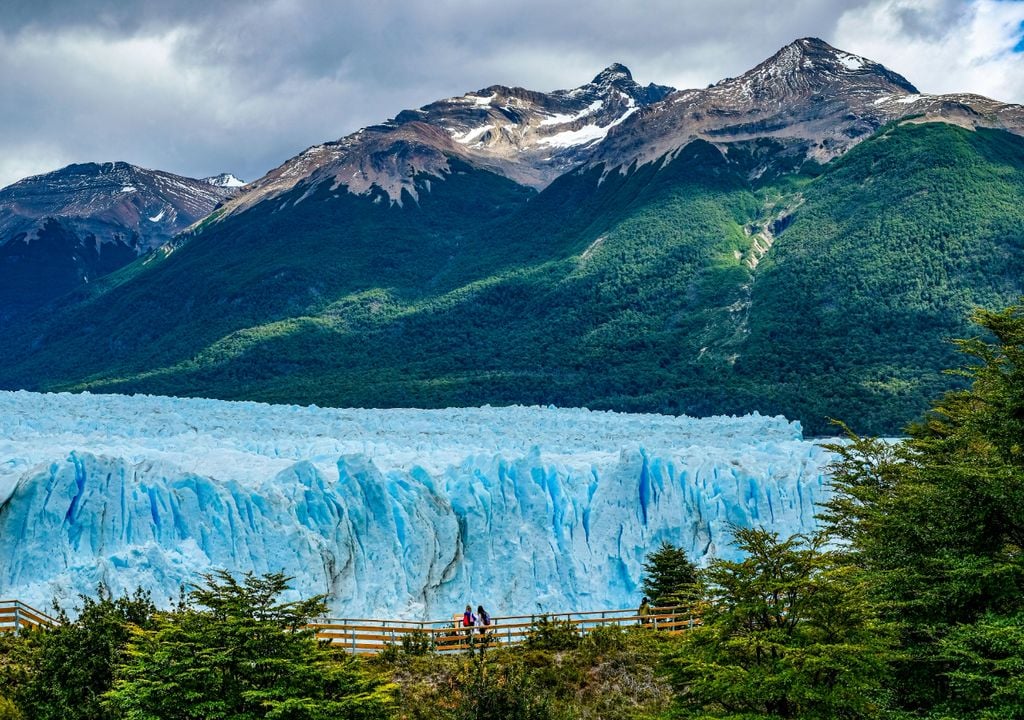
<point>548,634</point>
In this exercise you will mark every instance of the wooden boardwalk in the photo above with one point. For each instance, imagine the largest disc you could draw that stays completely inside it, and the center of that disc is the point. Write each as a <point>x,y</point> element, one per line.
<point>369,636</point>
<point>16,615</point>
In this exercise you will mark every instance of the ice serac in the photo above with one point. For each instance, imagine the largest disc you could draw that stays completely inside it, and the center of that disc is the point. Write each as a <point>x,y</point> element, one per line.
<point>409,513</point>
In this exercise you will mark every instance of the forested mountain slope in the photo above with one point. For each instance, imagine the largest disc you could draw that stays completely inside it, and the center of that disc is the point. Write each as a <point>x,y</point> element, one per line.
<point>682,287</point>
<point>735,271</point>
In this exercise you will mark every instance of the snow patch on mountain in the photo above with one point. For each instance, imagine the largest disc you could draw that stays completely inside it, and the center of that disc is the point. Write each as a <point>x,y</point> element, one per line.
<point>225,180</point>
<point>563,119</point>
<point>407,513</point>
<point>472,134</point>
<point>586,134</point>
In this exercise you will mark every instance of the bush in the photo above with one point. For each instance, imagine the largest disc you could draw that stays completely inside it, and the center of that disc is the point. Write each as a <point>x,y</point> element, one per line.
<point>504,692</point>
<point>548,634</point>
<point>604,639</point>
<point>8,711</point>
<point>417,644</point>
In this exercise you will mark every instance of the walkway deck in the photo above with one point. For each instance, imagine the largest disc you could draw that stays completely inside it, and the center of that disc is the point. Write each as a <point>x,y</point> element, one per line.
<point>15,615</point>
<point>367,635</point>
<point>371,636</point>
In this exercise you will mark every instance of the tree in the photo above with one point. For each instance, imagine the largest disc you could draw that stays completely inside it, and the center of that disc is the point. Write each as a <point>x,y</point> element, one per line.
<point>64,670</point>
<point>787,633</point>
<point>937,524</point>
<point>17,651</point>
<point>669,576</point>
<point>237,651</point>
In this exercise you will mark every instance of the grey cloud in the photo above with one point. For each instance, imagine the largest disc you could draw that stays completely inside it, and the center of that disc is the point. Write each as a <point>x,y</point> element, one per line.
<point>930,22</point>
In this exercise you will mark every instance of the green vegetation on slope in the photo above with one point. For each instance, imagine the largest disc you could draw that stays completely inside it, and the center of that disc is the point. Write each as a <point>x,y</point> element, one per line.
<point>853,308</point>
<point>649,290</point>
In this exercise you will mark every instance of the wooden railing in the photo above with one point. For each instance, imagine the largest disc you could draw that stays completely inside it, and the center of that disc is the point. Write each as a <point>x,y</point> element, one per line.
<point>15,615</point>
<point>361,635</point>
<point>364,635</point>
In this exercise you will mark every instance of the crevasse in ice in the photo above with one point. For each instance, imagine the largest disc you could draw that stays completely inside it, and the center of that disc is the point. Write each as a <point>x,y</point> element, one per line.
<point>391,513</point>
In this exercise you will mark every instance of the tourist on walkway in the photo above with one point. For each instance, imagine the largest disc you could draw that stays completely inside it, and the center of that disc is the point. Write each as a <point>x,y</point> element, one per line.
<point>644,611</point>
<point>468,618</point>
<point>483,619</point>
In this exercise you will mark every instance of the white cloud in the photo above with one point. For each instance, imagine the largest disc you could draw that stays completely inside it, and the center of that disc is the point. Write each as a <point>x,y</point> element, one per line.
<point>974,53</point>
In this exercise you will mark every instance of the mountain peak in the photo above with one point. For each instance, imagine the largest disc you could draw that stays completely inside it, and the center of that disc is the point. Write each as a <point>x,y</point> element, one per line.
<point>615,71</point>
<point>810,64</point>
<point>227,180</point>
<point>814,43</point>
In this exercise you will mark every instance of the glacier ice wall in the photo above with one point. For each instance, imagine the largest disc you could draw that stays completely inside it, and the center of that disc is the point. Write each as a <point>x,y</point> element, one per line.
<point>403,513</point>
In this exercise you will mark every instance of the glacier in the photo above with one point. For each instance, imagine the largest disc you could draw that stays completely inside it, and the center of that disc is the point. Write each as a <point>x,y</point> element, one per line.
<point>407,514</point>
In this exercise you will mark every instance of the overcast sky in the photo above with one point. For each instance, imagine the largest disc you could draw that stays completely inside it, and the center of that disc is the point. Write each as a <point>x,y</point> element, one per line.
<point>200,87</point>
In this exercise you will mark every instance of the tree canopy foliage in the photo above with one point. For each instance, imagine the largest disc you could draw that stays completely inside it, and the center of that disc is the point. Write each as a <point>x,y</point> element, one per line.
<point>937,524</point>
<point>669,576</point>
<point>238,651</point>
<point>787,632</point>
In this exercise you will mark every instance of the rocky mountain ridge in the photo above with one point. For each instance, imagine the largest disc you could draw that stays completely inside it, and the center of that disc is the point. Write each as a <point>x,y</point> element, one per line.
<point>528,136</point>
<point>225,180</point>
<point>73,225</point>
<point>695,257</point>
<point>814,99</point>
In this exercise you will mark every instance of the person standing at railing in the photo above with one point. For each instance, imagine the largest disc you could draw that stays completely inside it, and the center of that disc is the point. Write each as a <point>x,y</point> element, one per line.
<point>469,619</point>
<point>483,619</point>
<point>644,611</point>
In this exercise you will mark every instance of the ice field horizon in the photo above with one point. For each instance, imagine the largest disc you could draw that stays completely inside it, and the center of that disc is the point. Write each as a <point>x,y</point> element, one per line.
<point>391,513</point>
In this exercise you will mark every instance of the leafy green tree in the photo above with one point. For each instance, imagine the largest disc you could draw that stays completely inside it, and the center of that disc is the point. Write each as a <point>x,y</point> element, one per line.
<point>65,670</point>
<point>237,651</point>
<point>986,661</point>
<point>787,633</point>
<point>937,523</point>
<point>669,576</point>
<point>17,652</point>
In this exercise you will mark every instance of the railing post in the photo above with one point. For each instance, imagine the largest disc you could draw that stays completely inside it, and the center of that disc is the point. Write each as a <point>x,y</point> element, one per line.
<point>17,617</point>
<point>353,632</point>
